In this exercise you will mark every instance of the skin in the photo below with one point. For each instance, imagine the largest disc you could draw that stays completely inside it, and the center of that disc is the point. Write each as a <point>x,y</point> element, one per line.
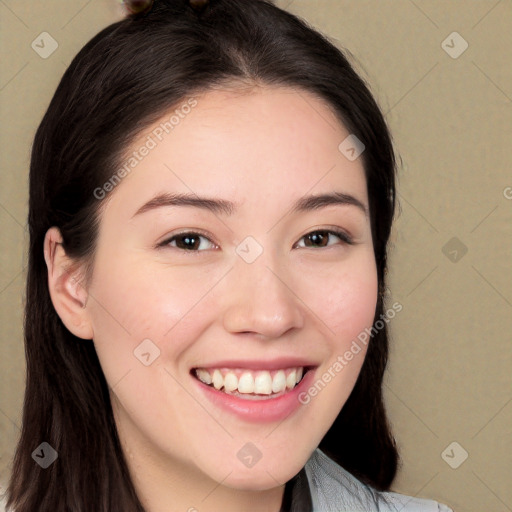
<point>263,148</point>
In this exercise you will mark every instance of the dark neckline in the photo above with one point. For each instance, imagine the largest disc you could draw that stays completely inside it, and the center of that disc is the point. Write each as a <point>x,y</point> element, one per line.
<point>297,495</point>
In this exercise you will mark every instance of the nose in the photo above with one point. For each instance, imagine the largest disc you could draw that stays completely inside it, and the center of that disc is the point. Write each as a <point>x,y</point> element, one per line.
<point>261,299</point>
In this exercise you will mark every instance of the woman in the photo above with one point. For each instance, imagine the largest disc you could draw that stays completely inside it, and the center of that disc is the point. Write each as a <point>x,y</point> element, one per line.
<point>211,195</point>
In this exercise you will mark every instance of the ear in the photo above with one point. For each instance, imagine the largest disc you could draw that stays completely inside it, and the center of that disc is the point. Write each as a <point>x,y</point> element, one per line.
<point>68,296</point>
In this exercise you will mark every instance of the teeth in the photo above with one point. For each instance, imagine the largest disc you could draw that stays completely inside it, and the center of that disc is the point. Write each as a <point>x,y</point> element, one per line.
<point>230,382</point>
<point>248,382</point>
<point>204,376</point>
<point>290,380</point>
<point>279,382</point>
<point>263,384</point>
<point>217,379</point>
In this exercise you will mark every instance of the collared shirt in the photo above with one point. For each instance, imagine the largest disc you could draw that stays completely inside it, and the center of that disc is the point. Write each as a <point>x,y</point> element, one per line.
<point>322,485</point>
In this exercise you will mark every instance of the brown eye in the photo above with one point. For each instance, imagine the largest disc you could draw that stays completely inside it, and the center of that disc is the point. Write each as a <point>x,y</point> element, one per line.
<point>188,241</point>
<point>321,238</point>
<point>318,238</point>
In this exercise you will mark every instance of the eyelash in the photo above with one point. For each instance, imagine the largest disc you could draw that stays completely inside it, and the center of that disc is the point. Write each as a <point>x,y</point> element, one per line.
<point>344,237</point>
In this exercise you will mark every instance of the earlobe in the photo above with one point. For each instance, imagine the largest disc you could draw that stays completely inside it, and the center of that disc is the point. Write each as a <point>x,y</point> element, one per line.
<point>68,295</point>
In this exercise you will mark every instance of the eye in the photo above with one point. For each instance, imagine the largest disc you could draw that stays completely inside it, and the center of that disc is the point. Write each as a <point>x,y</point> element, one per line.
<point>321,237</point>
<point>188,241</point>
<point>191,241</point>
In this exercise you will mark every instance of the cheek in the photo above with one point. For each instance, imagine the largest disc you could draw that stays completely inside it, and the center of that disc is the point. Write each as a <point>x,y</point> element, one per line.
<point>350,307</point>
<point>344,298</point>
<point>344,302</point>
<point>130,304</point>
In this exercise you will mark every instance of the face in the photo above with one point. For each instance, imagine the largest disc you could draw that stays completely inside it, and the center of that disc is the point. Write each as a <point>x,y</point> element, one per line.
<point>245,292</point>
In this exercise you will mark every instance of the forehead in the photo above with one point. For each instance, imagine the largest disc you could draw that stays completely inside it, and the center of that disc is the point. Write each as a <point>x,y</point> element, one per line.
<point>243,143</point>
<point>272,119</point>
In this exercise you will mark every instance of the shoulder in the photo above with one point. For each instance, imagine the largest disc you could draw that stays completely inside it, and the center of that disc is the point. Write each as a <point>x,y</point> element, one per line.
<point>333,487</point>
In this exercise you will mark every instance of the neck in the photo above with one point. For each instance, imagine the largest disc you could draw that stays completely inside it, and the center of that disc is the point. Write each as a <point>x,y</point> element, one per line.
<point>188,492</point>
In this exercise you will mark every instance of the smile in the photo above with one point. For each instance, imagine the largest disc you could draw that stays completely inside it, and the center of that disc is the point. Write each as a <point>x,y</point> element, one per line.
<point>250,384</point>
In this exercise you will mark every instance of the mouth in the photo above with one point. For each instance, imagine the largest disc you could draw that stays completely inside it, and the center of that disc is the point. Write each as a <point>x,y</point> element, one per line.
<point>252,384</point>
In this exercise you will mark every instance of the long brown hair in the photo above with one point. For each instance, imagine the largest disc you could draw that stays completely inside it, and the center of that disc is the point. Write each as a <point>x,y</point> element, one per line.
<point>119,84</point>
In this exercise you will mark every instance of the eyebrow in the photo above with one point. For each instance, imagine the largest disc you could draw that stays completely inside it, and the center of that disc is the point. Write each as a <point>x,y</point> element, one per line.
<point>222,206</point>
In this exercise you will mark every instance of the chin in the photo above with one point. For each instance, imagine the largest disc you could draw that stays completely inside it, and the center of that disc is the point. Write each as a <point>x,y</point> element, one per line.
<point>250,481</point>
<point>260,477</point>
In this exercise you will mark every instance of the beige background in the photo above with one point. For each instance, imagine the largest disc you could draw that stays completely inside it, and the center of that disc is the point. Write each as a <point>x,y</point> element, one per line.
<point>450,373</point>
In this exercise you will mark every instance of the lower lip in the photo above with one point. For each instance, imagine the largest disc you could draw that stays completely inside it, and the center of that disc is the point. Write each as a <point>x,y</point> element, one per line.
<point>259,411</point>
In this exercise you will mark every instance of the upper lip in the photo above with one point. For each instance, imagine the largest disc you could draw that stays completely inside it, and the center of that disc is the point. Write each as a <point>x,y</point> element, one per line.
<point>260,364</point>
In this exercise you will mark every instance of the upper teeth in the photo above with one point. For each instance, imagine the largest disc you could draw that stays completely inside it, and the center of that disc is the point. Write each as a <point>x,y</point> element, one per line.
<point>245,381</point>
